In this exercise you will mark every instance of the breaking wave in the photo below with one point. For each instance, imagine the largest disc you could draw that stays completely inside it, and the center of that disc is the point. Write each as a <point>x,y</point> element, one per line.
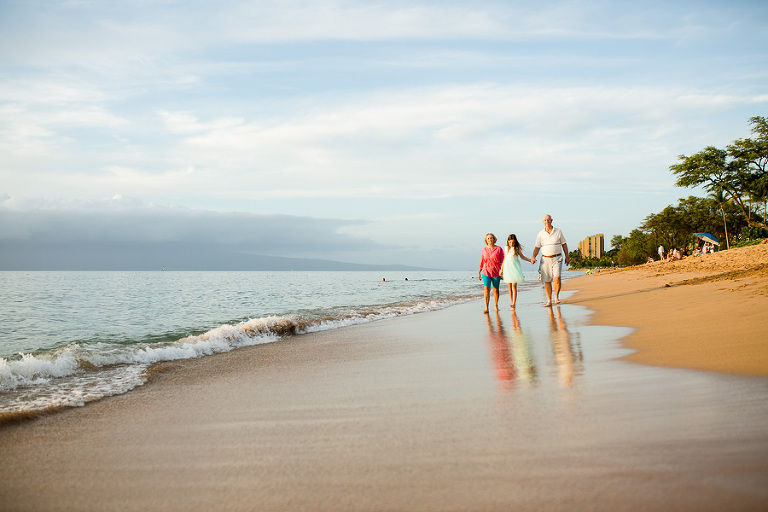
<point>78,373</point>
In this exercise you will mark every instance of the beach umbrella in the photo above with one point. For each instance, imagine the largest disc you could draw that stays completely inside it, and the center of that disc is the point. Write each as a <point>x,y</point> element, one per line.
<point>708,238</point>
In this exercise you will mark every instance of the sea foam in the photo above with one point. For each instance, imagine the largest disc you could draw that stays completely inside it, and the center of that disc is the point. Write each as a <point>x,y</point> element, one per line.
<point>78,373</point>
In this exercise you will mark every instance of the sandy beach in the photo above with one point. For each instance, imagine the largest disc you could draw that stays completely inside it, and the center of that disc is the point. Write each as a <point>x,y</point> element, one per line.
<point>706,312</point>
<point>598,404</point>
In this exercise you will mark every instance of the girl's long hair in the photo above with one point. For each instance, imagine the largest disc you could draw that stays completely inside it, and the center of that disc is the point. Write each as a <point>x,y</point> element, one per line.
<point>514,245</point>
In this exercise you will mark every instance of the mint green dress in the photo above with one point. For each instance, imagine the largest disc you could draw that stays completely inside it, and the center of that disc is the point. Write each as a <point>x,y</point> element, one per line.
<point>512,272</point>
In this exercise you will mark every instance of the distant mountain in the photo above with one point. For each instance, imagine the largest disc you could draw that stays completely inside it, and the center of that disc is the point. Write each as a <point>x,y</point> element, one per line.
<point>21,255</point>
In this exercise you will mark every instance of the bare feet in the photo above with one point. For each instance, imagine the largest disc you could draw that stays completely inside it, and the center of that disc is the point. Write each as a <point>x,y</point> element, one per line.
<point>548,305</point>
<point>486,311</point>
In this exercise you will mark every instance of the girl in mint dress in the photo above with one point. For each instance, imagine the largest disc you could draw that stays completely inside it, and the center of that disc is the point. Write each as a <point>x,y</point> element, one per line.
<point>511,272</point>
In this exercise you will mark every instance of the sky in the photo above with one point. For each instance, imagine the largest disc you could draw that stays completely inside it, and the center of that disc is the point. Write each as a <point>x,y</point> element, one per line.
<point>396,132</point>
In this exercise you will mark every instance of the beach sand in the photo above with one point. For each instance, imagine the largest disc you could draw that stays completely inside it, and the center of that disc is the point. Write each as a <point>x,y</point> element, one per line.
<point>448,410</point>
<point>708,312</point>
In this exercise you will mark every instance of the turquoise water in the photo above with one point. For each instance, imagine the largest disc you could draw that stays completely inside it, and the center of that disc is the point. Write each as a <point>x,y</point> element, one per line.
<point>67,338</point>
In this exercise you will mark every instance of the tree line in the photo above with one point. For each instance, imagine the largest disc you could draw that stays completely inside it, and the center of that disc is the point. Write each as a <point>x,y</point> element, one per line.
<point>734,211</point>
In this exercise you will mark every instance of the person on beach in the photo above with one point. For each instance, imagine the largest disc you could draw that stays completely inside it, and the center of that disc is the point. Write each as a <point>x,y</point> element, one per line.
<point>511,273</point>
<point>490,269</point>
<point>661,252</point>
<point>552,244</point>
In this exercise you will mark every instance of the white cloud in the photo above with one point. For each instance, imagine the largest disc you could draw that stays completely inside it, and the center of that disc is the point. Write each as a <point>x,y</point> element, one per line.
<point>416,142</point>
<point>117,36</point>
<point>392,143</point>
<point>272,106</point>
<point>187,123</point>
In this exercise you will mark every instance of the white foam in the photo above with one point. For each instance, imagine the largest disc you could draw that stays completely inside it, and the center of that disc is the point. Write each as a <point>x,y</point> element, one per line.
<point>76,374</point>
<point>32,370</point>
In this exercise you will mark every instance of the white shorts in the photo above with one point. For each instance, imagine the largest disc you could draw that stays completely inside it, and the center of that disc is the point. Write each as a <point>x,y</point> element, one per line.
<point>550,268</point>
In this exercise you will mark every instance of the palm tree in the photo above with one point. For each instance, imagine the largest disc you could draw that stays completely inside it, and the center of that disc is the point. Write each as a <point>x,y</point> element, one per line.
<point>718,196</point>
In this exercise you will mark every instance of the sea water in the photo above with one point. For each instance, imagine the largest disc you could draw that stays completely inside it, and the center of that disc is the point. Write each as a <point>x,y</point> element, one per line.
<point>67,338</point>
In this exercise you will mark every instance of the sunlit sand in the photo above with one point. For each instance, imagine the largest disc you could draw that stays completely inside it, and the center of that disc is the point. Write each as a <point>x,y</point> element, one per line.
<point>536,409</point>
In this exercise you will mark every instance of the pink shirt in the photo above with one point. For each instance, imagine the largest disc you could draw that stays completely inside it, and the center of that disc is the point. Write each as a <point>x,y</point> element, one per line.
<point>490,263</point>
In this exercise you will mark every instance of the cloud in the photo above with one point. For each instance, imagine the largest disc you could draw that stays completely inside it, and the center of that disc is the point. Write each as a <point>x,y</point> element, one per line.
<point>341,109</point>
<point>429,142</point>
<point>131,221</point>
<point>117,37</point>
<point>420,142</point>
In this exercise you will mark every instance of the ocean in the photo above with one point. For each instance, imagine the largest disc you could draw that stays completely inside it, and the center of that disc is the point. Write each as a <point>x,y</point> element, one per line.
<point>68,338</point>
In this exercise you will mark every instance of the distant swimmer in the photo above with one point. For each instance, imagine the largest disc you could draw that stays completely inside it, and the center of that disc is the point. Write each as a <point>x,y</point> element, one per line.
<point>383,280</point>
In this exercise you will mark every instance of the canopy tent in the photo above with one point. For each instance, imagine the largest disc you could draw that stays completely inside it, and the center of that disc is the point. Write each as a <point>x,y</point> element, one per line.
<point>708,238</point>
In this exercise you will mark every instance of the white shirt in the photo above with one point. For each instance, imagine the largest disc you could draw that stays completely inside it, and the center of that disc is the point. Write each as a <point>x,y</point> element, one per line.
<point>550,243</point>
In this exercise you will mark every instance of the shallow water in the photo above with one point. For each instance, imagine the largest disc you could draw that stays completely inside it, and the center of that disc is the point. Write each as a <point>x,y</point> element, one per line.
<point>549,362</point>
<point>67,338</point>
<point>455,410</point>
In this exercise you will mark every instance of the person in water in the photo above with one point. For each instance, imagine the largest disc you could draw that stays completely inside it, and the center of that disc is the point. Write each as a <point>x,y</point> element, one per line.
<point>511,272</point>
<point>490,268</point>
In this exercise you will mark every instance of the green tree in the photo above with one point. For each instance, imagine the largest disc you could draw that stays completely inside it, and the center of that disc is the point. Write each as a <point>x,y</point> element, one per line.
<point>616,242</point>
<point>675,225</point>
<point>669,227</point>
<point>576,259</point>
<point>738,171</point>
<point>636,248</point>
<point>752,154</point>
<point>718,197</point>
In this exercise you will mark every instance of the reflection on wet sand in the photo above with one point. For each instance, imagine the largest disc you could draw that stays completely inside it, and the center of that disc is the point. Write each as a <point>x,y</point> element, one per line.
<point>511,356</point>
<point>521,353</point>
<point>566,348</point>
<point>513,353</point>
<point>503,366</point>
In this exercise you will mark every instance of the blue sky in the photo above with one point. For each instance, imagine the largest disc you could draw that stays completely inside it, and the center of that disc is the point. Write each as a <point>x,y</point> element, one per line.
<point>371,132</point>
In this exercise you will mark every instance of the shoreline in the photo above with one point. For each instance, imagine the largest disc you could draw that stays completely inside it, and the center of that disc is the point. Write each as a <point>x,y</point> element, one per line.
<point>704,313</point>
<point>442,411</point>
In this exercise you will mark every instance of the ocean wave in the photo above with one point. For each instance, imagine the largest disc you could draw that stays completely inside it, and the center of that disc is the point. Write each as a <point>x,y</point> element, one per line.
<point>81,372</point>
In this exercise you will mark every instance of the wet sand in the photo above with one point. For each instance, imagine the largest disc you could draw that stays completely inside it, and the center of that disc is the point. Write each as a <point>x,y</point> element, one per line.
<point>708,312</point>
<point>449,410</point>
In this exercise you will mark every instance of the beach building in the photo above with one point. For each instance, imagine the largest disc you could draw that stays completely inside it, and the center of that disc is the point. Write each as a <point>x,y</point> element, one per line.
<point>593,246</point>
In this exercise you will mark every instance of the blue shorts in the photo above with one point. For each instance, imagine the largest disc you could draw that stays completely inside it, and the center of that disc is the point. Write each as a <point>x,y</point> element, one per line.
<point>491,281</point>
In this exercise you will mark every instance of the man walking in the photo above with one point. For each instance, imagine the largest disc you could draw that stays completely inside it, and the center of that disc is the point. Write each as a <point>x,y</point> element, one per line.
<point>552,244</point>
